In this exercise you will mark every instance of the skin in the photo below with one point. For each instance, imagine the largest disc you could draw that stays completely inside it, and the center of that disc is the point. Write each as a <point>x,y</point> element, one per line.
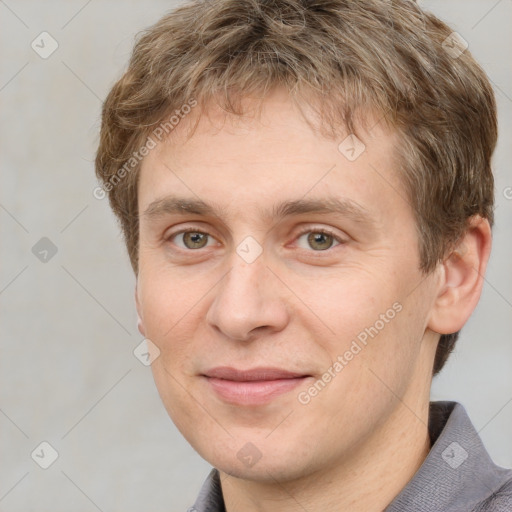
<point>359,440</point>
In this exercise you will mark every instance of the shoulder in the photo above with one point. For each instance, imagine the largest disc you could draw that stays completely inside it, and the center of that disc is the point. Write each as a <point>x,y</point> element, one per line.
<point>500,500</point>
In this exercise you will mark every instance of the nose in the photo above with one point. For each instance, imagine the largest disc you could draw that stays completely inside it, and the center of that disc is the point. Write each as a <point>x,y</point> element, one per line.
<point>249,302</point>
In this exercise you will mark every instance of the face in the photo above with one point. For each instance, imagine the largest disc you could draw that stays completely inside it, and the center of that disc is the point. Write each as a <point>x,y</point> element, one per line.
<point>279,278</point>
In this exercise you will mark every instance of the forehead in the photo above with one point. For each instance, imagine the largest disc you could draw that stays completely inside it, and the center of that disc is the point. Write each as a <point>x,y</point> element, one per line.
<point>270,159</point>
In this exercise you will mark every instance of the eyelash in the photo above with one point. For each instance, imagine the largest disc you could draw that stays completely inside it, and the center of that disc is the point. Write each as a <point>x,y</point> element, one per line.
<point>323,231</point>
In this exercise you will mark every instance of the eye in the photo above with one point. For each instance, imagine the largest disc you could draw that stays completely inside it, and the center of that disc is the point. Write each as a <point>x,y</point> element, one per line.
<point>318,239</point>
<point>190,239</point>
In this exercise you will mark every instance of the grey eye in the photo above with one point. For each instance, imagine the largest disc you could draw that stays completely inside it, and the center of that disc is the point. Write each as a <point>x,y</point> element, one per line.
<point>318,240</point>
<point>192,239</point>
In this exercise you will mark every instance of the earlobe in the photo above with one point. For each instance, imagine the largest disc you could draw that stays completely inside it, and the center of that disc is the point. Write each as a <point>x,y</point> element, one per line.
<point>140,322</point>
<point>140,326</point>
<point>462,278</point>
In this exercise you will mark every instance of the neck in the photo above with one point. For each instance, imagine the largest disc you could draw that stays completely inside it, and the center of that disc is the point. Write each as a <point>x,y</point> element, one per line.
<point>367,480</point>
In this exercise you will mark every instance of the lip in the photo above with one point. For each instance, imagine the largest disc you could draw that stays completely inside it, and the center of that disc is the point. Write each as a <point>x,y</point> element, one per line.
<point>256,386</point>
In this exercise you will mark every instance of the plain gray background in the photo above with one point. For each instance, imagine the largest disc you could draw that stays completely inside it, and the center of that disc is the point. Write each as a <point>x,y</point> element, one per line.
<point>68,324</point>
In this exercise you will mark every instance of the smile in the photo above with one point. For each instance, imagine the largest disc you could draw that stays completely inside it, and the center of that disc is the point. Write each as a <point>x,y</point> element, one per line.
<point>252,387</point>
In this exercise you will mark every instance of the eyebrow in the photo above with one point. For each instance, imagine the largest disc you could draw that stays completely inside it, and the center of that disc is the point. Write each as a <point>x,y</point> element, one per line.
<point>327,205</point>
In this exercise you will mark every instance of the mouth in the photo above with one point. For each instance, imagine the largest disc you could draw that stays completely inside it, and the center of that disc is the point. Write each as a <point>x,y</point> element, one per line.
<point>256,386</point>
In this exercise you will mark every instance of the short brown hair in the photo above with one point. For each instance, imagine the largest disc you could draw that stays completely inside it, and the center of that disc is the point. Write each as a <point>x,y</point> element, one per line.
<point>347,57</point>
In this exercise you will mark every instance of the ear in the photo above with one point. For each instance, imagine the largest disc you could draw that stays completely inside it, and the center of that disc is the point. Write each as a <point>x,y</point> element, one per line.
<point>462,278</point>
<point>140,322</point>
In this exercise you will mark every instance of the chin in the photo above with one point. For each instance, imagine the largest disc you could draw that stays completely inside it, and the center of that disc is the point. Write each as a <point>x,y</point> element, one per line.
<point>263,472</point>
<point>256,462</point>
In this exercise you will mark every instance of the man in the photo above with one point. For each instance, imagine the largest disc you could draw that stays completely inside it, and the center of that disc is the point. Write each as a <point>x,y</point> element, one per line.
<point>306,196</point>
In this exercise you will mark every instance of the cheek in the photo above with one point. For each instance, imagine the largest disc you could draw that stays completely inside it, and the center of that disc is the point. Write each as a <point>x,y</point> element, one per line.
<point>181,406</point>
<point>166,297</point>
<point>379,356</point>
<point>369,330</point>
<point>345,307</point>
<point>167,317</point>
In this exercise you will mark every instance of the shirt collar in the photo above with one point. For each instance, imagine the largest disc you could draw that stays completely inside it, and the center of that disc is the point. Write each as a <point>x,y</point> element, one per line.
<point>456,475</point>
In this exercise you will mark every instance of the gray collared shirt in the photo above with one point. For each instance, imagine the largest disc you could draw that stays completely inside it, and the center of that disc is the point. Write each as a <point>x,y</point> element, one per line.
<point>458,474</point>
